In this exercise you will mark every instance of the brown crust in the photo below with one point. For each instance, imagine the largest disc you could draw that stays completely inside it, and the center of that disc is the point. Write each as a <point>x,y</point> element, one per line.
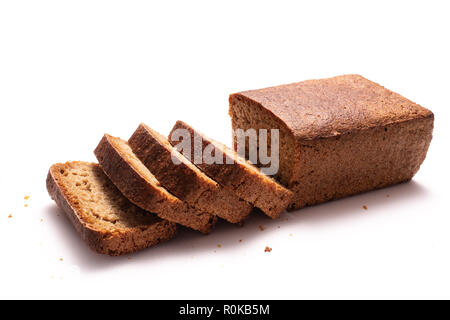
<point>184,180</point>
<point>241,177</point>
<point>147,194</point>
<point>333,106</point>
<point>104,241</point>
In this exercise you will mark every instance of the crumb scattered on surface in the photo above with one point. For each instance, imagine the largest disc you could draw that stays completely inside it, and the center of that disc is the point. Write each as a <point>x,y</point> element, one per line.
<point>290,234</point>
<point>25,205</point>
<point>26,197</point>
<point>215,251</point>
<point>240,240</point>
<point>42,220</point>
<point>219,246</point>
<point>387,196</point>
<point>10,216</point>
<point>364,207</point>
<point>261,228</point>
<point>278,227</point>
<point>268,249</point>
<point>60,259</point>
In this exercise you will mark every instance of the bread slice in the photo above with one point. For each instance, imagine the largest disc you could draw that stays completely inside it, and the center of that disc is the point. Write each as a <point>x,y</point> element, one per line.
<point>339,136</point>
<point>241,177</point>
<point>105,219</point>
<point>184,179</point>
<point>141,187</point>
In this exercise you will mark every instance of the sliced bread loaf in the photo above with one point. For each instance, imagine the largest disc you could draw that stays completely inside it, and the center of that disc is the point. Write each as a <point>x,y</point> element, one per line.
<point>236,174</point>
<point>141,187</point>
<point>105,219</point>
<point>184,179</point>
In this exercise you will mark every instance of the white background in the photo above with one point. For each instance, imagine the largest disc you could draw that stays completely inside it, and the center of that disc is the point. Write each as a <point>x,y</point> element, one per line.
<point>73,70</point>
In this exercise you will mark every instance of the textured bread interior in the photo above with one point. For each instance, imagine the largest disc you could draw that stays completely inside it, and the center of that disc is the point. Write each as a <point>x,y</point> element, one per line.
<point>96,200</point>
<point>249,115</point>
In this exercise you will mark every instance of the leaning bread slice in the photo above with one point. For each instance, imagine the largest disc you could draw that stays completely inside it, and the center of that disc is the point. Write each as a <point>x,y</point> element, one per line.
<point>105,219</point>
<point>235,173</point>
<point>184,179</point>
<point>141,187</point>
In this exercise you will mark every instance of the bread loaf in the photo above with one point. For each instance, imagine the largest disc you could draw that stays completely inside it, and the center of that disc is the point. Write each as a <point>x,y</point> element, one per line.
<point>338,136</point>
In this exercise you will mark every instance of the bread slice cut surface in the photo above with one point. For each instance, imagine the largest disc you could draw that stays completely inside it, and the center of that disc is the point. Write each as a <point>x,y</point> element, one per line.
<point>105,219</point>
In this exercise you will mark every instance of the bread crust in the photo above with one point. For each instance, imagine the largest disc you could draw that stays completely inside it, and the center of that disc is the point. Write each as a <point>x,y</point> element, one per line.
<point>101,241</point>
<point>245,180</point>
<point>185,180</point>
<point>334,106</point>
<point>146,194</point>
<point>344,135</point>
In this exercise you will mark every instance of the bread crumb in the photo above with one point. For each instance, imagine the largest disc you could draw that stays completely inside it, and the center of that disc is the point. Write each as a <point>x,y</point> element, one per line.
<point>240,240</point>
<point>25,205</point>
<point>267,249</point>
<point>42,220</point>
<point>261,228</point>
<point>290,234</point>
<point>278,227</point>
<point>60,259</point>
<point>215,251</point>
<point>387,196</point>
<point>10,216</point>
<point>26,197</point>
<point>219,246</point>
<point>364,207</point>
